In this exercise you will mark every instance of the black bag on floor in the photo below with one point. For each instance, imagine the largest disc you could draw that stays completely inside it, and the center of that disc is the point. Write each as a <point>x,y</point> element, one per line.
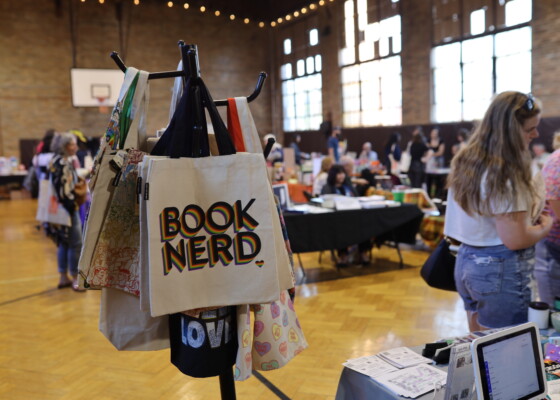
<point>439,268</point>
<point>205,346</point>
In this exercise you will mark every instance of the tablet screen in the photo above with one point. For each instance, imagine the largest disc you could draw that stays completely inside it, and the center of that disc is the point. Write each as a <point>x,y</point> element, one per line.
<point>509,366</point>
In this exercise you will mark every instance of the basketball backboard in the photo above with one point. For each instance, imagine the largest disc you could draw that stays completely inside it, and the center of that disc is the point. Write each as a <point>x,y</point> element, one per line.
<point>95,87</point>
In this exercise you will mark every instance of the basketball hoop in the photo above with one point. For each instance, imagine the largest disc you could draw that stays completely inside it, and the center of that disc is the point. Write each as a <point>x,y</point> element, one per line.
<point>103,108</point>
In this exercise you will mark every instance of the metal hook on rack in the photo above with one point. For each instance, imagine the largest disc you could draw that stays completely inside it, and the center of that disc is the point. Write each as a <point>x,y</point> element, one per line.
<point>173,74</point>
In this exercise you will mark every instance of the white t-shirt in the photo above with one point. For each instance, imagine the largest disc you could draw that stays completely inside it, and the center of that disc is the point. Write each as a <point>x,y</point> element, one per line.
<point>319,182</point>
<point>480,231</point>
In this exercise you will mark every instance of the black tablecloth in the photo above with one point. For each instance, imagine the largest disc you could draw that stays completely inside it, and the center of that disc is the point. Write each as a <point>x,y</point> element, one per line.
<point>339,229</point>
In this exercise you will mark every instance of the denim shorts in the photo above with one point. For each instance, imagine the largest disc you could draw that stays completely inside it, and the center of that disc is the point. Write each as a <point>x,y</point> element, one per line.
<point>494,281</point>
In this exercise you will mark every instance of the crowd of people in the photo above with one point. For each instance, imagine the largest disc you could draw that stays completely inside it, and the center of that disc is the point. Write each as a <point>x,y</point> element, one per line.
<point>503,201</point>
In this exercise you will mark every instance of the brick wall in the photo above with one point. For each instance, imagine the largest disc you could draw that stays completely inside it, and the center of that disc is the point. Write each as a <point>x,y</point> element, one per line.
<point>546,55</point>
<point>36,57</point>
<point>36,54</point>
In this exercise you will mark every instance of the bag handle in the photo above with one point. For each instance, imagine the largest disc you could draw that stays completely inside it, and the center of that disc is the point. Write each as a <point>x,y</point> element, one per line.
<point>187,133</point>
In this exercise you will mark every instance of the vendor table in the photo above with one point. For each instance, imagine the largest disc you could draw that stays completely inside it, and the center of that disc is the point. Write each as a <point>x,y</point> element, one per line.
<point>339,229</point>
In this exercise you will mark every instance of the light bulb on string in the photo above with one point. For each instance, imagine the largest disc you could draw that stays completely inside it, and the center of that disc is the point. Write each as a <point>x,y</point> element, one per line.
<point>280,20</point>
<point>136,2</point>
<point>186,6</point>
<point>246,20</point>
<point>273,24</point>
<point>288,17</point>
<point>312,6</point>
<point>217,13</point>
<point>202,9</point>
<point>303,10</point>
<point>261,24</point>
<point>169,4</point>
<point>232,17</point>
<point>321,2</point>
<point>101,1</point>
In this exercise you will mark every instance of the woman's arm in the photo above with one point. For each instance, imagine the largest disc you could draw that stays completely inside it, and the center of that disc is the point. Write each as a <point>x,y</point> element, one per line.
<point>516,234</point>
<point>440,150</point>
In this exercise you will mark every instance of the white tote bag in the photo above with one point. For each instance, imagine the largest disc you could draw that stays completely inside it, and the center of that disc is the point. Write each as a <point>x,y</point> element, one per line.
<point>101,184</point>
<point>241,127</point>
<point>127,327</point>
<point>210,224</point>
<point>48,207</point>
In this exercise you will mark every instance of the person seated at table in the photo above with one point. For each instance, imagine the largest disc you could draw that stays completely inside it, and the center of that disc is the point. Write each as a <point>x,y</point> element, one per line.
<point>367,157</point>
<point>359,184</point>
<point>337,183</point>
<point>321,178</point>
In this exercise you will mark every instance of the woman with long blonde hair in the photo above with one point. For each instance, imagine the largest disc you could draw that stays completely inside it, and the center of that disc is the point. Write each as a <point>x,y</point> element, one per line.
<point>494,208</point>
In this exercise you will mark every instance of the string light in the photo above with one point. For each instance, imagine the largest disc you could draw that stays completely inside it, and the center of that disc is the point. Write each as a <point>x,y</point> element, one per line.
<point>202,8</point>
<point>186,6</point>
<point>83,1</point>
<point>322,2</point>
<point>169,4</point>
<point>246,20</point>
<point>312,6</point>
<point>288,17</point>
<point>280,20</point>
<point>217,13</point>
<point>136,2</point>
<point>296,14</point>
<point>101,1</point>
<point>273,24</point>
<point>261,24</point>
<point>232,17</point>
<point>303,10</point>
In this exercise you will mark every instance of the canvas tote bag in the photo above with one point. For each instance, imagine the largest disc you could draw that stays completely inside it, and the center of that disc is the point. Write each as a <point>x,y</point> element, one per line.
<point>243,131</point>
<point>209,219</point>
<point>48,208</point>
<point>101,184</point>
<point>116,254</point>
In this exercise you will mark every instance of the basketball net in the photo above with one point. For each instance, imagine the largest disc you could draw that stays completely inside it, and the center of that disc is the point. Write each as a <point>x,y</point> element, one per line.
<point>103,109</point>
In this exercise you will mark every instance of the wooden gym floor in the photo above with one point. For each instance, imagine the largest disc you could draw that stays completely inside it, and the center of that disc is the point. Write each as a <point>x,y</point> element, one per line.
<point>50,346</point>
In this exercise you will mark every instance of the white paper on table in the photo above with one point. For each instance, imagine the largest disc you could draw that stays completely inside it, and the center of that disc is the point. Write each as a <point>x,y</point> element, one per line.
<point>413,381</point>
<point>403,357</point>
<point>553,389</point>
<point>460,374</point>
<point>372,366</point>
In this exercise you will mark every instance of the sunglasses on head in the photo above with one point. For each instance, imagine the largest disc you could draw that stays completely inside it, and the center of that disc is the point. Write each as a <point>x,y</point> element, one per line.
<point>529,104</point>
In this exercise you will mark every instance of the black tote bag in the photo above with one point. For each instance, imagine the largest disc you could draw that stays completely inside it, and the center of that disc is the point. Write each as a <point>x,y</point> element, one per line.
<point>205,346</point>
<point>439,268</point>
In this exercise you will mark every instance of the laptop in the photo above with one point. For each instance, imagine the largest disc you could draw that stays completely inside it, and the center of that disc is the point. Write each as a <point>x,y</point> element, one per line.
<point>508,365</point>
